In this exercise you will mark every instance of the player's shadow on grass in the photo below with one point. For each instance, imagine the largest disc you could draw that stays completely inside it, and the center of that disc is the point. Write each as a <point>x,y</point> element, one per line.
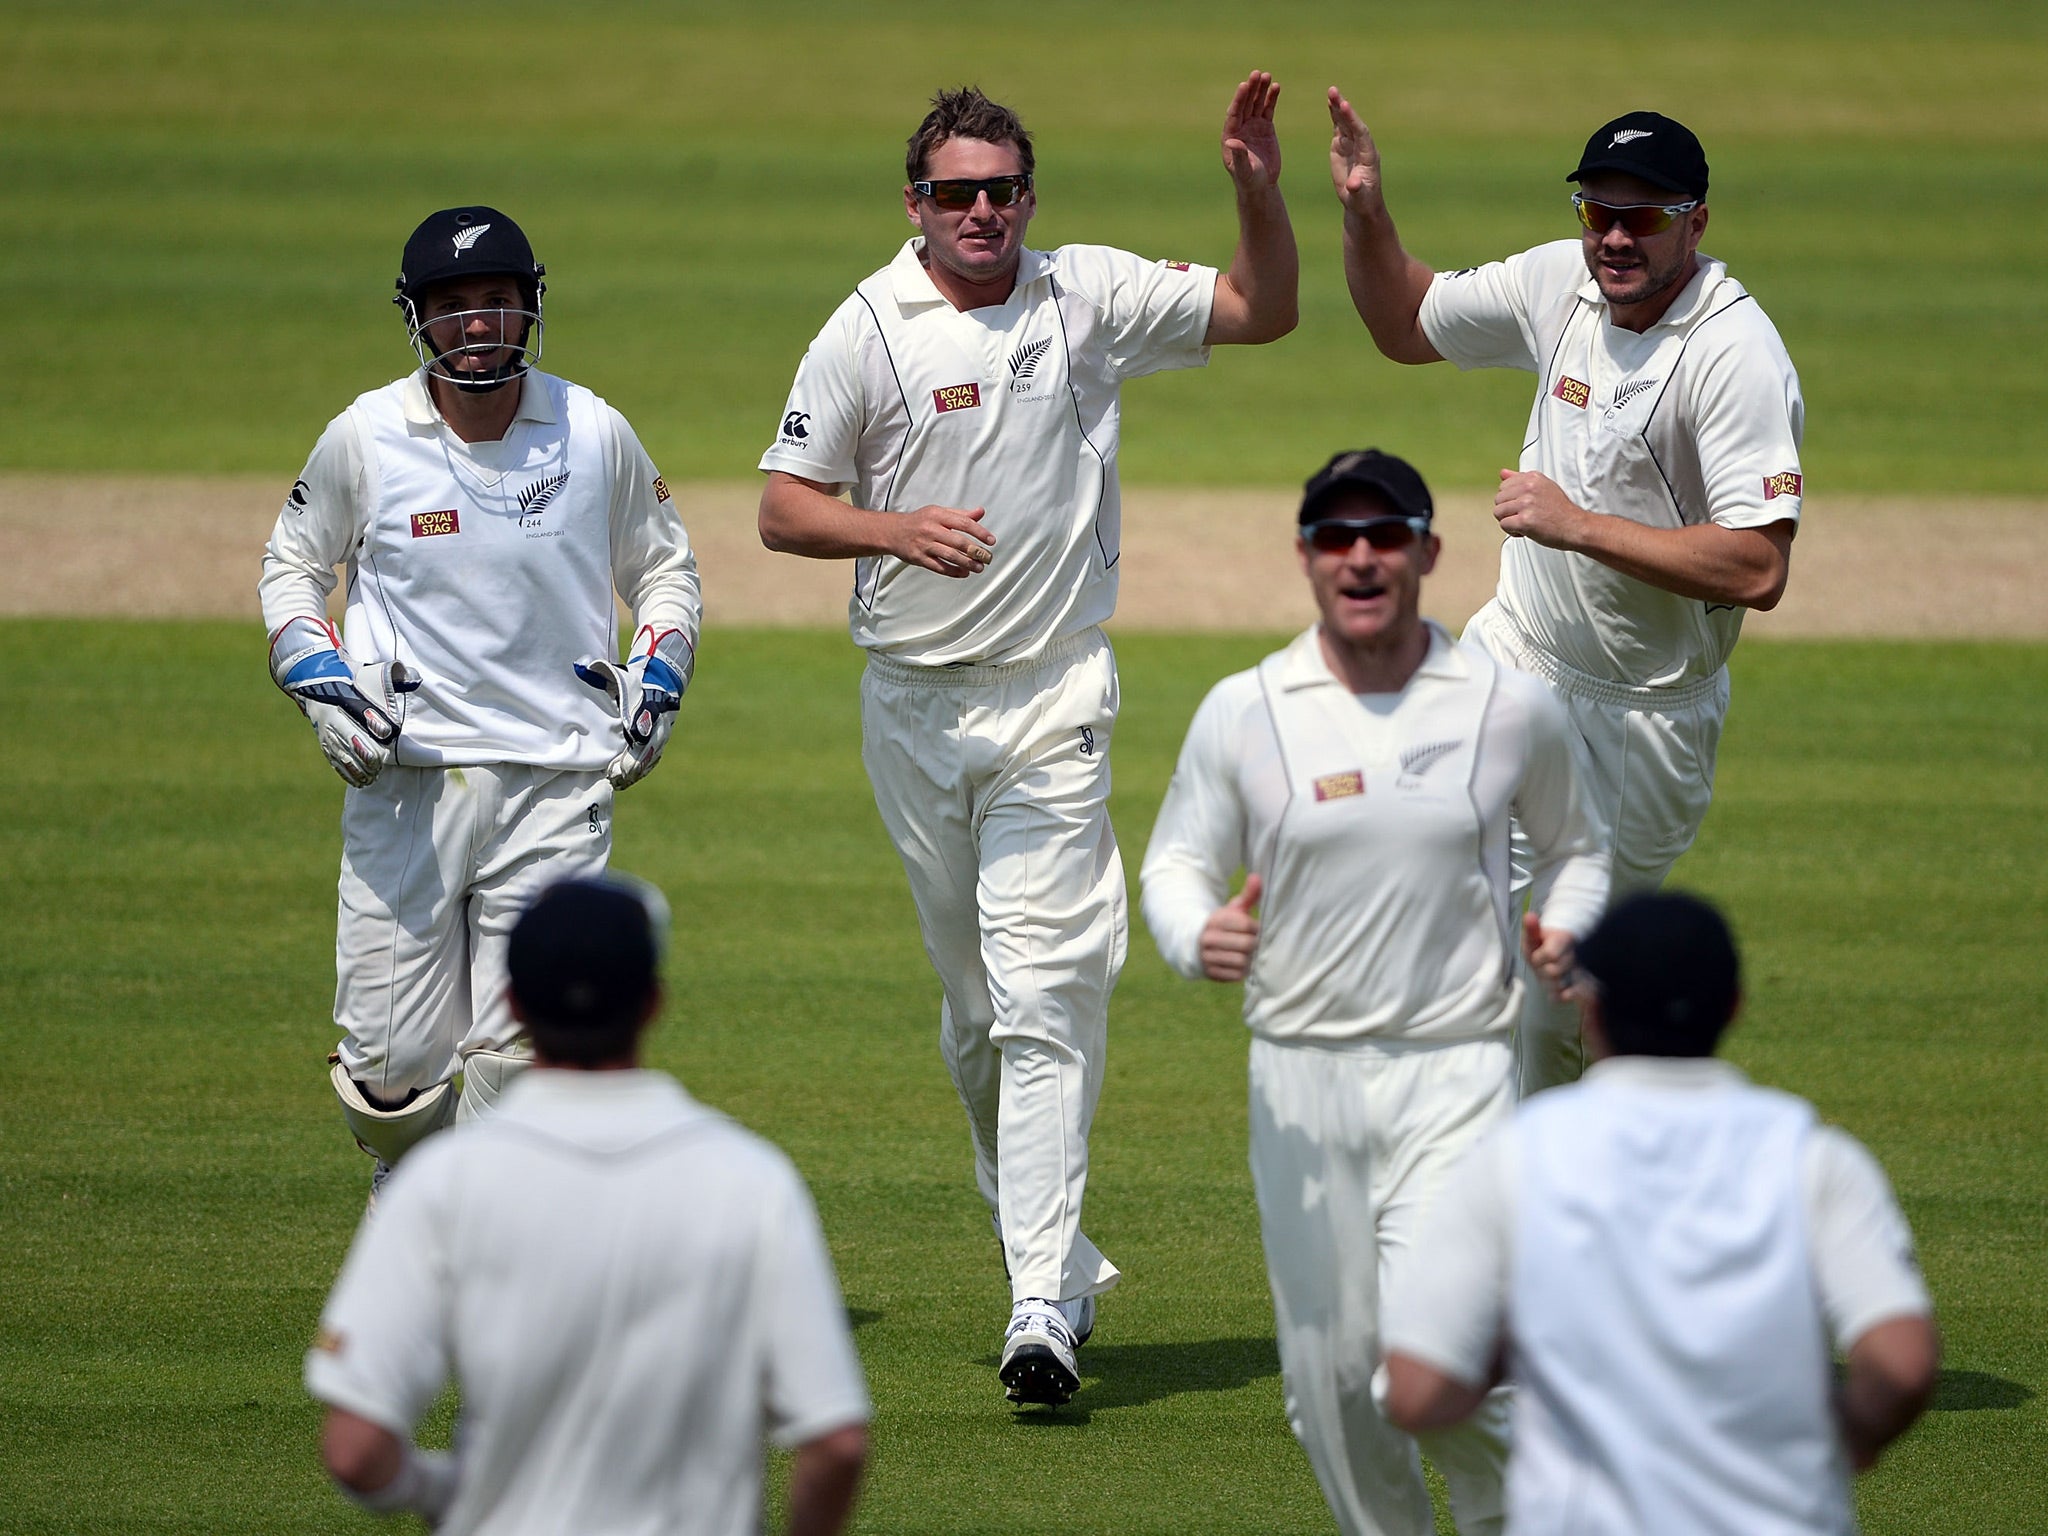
<point>1130,1375</point>
<point>1975,1391</point>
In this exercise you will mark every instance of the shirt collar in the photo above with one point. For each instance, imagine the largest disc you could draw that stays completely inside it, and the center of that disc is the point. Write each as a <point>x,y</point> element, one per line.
<point>416,401</point>
<point>913,285</point>
<point>1692,301</point>
<point>561,1085</point>
<point>1303,665</point>
<point>1668,1071</point>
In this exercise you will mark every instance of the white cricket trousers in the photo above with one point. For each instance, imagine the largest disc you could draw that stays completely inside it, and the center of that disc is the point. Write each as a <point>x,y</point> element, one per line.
<point>1647,756</point>
<point>1348,1145</point>
<point>436,866</point>
<point>994,784</point>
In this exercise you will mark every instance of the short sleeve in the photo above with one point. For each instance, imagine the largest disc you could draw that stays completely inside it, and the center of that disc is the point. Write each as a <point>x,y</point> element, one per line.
<point>382,1350</point>
<point>813,1377</point>
<point>818,437</point>
<point>1748,420</point>
<point>1479,317</point>
<point>1862,1248</point>
<point>1155,313</point>
<point>1447,1299</point>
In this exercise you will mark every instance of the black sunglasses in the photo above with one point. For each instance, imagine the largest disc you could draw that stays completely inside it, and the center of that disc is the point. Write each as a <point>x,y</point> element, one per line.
<point>1335,536</point>
<point>956,195</point>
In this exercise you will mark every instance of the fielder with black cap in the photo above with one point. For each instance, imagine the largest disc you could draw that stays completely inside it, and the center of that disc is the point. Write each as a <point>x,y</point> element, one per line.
<point>485,512</point>
<point>1364,778</point>
<point>1659,486</point>
<point>1660,1257</point>
<point>631,1290</point>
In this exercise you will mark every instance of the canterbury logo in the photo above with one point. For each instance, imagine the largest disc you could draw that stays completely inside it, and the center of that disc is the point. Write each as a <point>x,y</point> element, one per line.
<point>465,238</point>
<point>1024,361</point>
<point>535,498</point>
<point>1417,760</point>
<point>1627,136</point>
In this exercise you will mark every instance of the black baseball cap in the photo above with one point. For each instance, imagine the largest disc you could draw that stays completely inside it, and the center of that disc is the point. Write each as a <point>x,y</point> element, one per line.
<point>1649,145</point>
<point>467,242</point>
<point>1394,481</point>
<point>1668,977</point>
<point>584,956</point>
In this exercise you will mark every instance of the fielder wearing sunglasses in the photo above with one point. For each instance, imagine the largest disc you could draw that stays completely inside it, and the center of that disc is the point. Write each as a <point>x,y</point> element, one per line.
<point>1639,219</point>
<point>956,195</point>
<point>1650,505</point>
<point>1336,535</point>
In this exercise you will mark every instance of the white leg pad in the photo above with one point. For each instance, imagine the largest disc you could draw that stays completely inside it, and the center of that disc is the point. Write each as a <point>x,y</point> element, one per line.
<point>391,1133</point>
<point>485,1075</point>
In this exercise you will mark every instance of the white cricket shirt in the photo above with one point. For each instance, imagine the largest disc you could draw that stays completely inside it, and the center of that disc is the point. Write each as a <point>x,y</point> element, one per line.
<point>907,402</point>
<point>1697,419</point>
<point>1379,823</point>
<point>1670,1252</point>
<point>631,1291</point>
<point>486,567</point>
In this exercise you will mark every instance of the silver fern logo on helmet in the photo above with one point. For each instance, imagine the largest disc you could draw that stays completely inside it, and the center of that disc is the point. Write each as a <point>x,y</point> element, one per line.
<point>465,238</point>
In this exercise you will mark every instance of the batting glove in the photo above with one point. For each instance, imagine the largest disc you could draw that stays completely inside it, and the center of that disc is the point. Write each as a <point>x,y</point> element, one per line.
<point>646,693</point>
<point>354,713</point>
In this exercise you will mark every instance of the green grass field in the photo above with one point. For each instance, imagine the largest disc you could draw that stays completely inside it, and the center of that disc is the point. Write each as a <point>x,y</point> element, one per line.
<point>204,204</point>
<point>177,1187</point>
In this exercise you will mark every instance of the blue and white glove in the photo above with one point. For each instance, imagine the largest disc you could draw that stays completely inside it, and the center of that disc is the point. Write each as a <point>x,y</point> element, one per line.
<point>645,692</point>
<point>354,711</point>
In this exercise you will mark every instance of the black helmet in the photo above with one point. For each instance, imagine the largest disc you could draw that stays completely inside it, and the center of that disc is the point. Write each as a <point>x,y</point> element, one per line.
<point>471,242</point>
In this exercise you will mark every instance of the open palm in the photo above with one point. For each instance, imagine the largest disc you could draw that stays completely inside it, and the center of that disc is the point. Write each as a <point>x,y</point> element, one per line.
<point>1251,146</point>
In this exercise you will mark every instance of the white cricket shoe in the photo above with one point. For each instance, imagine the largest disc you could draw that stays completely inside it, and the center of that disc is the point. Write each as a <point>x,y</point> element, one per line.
<point>1038,1354</point>
<point>1080,1316</point>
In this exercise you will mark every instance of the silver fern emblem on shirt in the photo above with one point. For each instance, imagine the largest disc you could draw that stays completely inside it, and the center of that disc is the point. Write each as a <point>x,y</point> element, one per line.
<point>1416,760</point>
<point>465,238</point>
<point>1628,392</point>
<point>535,498</point>
<point>1024,363</point>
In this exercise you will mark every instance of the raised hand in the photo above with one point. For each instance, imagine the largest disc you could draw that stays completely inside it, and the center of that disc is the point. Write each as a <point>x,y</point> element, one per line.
<point>948,540</point>
<point>1354,159</point>
<point>1231,935</point>
<point>1251,146</point>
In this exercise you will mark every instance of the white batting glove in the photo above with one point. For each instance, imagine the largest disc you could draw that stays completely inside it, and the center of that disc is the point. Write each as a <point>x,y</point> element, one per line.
<point>646,692</point>
<point>354,712</point>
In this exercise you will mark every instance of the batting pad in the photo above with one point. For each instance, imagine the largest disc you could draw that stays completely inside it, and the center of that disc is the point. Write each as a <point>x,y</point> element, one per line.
<point>391,1133</point>
<point>484,1077</point>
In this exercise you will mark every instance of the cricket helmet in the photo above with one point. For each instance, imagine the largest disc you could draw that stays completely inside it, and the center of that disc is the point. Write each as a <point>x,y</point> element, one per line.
<point>463,243</point>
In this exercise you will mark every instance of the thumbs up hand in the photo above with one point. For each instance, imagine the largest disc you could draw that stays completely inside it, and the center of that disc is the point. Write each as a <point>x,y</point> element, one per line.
<point>1231,936</point>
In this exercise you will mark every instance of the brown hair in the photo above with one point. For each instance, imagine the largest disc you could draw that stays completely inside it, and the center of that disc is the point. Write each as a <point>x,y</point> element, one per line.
<point>964,114</point>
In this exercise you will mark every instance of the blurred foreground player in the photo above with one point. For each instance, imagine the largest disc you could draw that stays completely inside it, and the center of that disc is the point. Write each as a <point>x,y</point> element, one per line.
<point>1660,1258</point>
<point>486,511</point>
<point>967,396</point>
<point>1659,486</point>
<point>630,1290</point>
<point>1364,778</point>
